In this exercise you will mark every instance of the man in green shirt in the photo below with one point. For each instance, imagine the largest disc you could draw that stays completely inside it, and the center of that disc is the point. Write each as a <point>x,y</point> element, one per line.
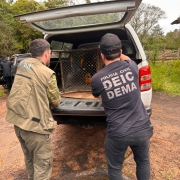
<point>28,107</point>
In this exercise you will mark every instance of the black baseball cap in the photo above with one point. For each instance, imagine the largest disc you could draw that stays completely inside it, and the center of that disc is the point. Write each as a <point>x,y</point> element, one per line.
<point>110,44</point>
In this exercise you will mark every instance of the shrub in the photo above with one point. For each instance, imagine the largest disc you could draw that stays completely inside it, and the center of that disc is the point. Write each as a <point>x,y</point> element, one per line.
<point>166,77</point>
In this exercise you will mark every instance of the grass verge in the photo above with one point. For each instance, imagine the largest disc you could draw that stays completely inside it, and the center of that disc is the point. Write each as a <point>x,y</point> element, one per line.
<point>166,77</point>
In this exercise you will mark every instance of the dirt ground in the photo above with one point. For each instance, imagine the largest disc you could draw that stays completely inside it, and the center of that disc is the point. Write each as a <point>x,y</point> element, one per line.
<point>79,153</point>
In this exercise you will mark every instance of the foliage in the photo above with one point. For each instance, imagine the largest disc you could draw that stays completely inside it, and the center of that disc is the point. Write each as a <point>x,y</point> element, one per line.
<point>166,77</point>
<point>145,20</point>
<point>151,35</point>
<point>154,45</point>
<point>8,45</point>
<point>15,36</point>
<point>3,92</point>
<point>157,31</point>
<point>173,39</point>
<point>54,3</point>
<point>24,34</point>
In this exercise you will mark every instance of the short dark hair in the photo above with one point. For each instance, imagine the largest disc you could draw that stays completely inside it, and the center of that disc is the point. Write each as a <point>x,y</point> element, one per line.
<point>38,47</point>
<point>112,56</point>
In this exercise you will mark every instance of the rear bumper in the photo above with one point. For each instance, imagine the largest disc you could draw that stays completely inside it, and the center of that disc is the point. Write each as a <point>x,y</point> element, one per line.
<point>79,107</point>
<point>94,120</point>
<point>80,111</point>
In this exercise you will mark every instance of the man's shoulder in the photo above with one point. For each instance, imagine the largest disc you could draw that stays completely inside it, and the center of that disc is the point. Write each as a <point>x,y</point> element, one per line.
<point>46,69</point>
<point>131,63</point>
<point>98,74</point>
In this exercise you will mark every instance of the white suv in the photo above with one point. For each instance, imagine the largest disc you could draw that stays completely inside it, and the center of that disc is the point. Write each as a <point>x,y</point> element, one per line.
<point>74,33</point>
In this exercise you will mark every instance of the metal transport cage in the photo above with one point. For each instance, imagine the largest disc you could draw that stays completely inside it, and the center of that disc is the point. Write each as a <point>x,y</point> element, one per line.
<point>74,68</point>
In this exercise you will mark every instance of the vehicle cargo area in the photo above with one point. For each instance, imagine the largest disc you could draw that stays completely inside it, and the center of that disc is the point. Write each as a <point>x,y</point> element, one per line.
<point>76,57</point>
<point>74,69</point>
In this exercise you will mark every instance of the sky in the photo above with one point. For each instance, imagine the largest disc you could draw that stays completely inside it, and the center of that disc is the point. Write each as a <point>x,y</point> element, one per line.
<point>172,10</point>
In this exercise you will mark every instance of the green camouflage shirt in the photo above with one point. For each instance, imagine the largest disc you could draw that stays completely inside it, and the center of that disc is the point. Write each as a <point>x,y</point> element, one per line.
<point>53,92</point>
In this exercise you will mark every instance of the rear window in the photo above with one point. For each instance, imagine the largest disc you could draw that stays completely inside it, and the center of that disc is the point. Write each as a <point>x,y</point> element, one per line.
<point>80,21</point>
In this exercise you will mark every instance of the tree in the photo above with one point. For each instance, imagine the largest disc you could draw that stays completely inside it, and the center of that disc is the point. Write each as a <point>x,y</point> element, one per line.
<point>54,3</point>
<point>145,19</point>
<point>24,34</point>
<point>173,39</point>
<point>8,44</point>
<point>15,36</point>
<point>157,31</point>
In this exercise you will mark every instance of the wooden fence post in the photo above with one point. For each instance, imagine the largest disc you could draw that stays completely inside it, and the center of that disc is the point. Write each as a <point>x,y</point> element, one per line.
<point>163,55</point>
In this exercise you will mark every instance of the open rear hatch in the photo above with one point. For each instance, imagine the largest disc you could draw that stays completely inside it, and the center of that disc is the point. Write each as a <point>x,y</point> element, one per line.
<point>82,18</point>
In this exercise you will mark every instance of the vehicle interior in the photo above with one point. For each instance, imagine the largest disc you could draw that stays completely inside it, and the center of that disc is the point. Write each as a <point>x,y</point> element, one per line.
<point>77,39</point>
<point>77,56</point>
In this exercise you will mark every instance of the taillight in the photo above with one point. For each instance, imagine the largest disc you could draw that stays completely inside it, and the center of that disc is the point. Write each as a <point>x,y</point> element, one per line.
<point>145,78</point>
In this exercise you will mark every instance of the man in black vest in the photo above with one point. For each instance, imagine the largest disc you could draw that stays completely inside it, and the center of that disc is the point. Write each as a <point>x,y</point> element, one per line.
<point>6,66</point>
<point>128,123</point>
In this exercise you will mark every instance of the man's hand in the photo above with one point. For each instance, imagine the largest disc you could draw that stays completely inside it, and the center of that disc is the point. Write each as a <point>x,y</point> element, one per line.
<point>98,97</point>
<point>124,57</point>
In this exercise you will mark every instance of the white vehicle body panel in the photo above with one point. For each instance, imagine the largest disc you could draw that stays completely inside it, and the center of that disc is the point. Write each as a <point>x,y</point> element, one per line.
<point>146,96</point>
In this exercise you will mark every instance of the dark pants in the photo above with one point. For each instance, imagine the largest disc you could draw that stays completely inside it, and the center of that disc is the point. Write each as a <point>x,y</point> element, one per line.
<point>115,149</point>
<point>8,82</point>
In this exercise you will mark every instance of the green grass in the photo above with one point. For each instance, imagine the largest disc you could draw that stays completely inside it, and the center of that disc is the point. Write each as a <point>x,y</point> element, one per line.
<point>166,77</point>
<point>3,92</point>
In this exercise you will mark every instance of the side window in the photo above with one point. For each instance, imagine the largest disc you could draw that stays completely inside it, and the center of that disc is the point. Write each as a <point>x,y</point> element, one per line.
<point>127,49</point>
<point>66,46</point>
<point>57,45</point>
